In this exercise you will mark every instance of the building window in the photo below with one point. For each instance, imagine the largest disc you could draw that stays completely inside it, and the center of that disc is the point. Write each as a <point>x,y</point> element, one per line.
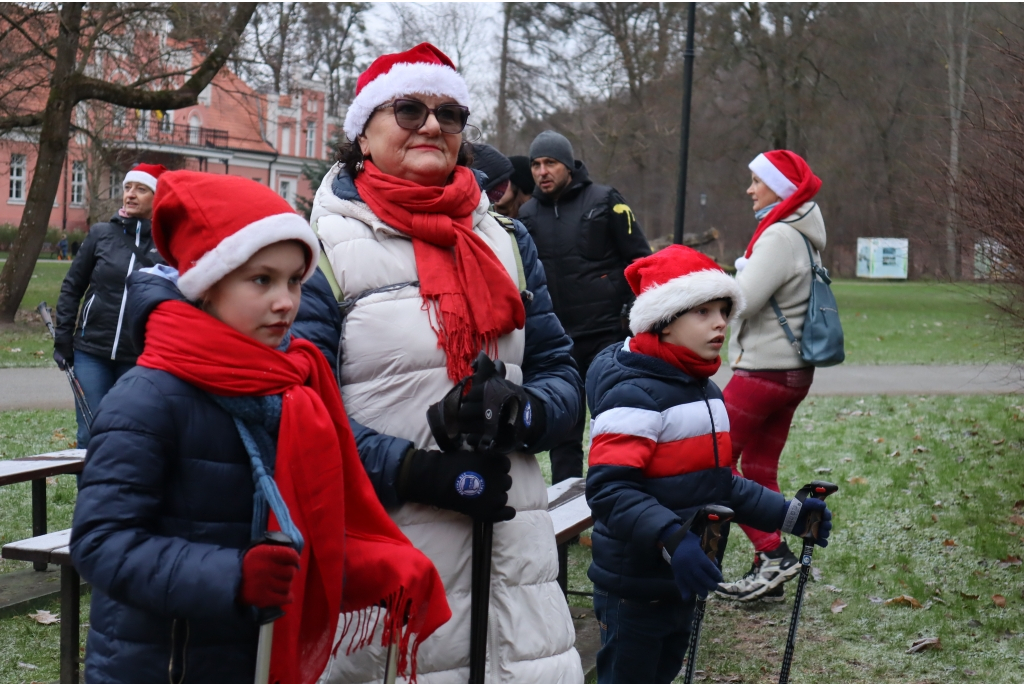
<point>311,139</point>
<point>115,188</point>
<point>166,121</point>
<point>284,189</point>
<point>286,140</point>
<point>78,183</point>
<point>118,119</point>
<point>18,178</point>
<point>193,130</point>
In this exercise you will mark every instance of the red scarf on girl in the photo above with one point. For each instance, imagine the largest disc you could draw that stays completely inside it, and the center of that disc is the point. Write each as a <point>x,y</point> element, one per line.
<point>470,293</point>
<point>683,358</point>
<point>807,186</point>
<point>321,479</point>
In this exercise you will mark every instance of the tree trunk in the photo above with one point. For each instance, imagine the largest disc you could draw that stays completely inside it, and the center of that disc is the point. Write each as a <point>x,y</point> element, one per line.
<point>503,84</point>
<point>53,147</point>
<point>957,77</point>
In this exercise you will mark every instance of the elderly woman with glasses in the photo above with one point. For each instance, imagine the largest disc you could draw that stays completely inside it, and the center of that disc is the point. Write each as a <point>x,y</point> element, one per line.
<point>431,279</point>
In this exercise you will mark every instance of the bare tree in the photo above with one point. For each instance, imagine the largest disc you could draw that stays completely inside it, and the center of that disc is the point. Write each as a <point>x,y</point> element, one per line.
<point>955,51</point>
<point>80,51</point>
<point>332,30</point>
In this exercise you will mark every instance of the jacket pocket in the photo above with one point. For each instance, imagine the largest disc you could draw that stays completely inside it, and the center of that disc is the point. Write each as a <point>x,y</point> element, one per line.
<point>593,239</point>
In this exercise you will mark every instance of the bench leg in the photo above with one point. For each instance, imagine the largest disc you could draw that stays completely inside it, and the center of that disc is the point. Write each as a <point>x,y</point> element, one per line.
<point>563,568</point>
<point>70,603</point>
<point>39,514</point>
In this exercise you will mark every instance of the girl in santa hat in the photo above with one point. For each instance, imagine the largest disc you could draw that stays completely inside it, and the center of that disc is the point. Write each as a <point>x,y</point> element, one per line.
<point>660,450</point>
<point>770,379</point>
<point>432,279</point>
<point>225,429</point>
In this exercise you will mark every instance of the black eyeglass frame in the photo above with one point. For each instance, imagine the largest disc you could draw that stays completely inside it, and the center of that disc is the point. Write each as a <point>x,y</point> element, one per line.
<point>427,112</point>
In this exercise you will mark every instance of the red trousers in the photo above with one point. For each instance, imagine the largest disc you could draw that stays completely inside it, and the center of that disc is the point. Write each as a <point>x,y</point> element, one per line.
<point>761,405</point>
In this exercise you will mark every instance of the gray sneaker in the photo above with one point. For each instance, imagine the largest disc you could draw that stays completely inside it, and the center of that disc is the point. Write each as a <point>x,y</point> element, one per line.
<point>765,578</point>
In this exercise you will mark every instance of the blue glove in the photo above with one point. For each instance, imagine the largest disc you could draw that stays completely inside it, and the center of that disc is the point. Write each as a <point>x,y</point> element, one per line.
<point>796,519</point>
<point>694,572</point>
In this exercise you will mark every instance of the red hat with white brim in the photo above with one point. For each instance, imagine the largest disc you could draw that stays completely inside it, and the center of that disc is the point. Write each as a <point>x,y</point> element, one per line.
<point>208,225</point>
<point>675,280</point>
<point>146,174</point>
<point>424,70</point>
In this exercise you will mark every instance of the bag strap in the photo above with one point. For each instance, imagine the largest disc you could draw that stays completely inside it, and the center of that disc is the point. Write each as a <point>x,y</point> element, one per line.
<point>784,322</point>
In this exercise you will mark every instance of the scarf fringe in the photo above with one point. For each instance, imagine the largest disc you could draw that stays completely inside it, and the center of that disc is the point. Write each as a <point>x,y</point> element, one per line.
<point>360,627</point>
<point>459,340</point>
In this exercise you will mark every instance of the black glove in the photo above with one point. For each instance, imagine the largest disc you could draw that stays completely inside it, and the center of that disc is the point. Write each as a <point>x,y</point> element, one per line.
<point>64,356</point>
<point>799,519</point>
<point>475,484</point>
<point>525,418</point>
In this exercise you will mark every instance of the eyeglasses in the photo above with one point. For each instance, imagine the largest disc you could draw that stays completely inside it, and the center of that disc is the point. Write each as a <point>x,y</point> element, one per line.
<point>412,114</point>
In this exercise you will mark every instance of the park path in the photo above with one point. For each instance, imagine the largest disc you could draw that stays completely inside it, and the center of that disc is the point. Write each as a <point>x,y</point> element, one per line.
<point>47,388</point>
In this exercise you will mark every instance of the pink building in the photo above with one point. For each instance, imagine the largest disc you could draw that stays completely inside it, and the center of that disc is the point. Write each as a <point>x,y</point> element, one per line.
<point>232,130</point>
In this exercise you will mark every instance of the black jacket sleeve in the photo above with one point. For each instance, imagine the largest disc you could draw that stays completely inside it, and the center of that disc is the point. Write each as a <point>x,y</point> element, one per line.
<point>76,282</point>
<point>629,237</point>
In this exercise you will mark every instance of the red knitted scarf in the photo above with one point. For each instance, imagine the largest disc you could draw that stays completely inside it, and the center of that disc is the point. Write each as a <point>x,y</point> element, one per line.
<point>682,358</point>
<point>372,567</point>
<point>469,292</point>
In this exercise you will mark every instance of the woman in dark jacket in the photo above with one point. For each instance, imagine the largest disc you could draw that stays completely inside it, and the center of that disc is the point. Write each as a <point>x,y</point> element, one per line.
<point>98,346</point>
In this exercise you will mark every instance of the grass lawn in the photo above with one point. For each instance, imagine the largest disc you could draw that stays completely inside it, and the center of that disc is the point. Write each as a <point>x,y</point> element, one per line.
<point>931,506</point>
<point>28,335</point>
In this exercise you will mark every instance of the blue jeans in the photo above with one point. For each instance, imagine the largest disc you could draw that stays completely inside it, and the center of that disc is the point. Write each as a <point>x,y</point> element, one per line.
<point>96,376</point>
<point>641,642</point>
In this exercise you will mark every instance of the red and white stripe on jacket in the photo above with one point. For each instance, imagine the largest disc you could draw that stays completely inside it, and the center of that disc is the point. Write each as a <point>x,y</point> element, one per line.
<point>662,444</point>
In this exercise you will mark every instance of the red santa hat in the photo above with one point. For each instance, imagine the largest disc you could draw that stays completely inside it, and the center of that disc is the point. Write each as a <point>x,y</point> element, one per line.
<point>208,225</point>
<point>789,177</point>
<point>674,280</point>
<point>423,69</point>
<point>146,174</point>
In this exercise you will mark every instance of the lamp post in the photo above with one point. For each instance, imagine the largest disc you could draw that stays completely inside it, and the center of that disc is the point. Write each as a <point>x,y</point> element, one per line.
<point>684,142</point>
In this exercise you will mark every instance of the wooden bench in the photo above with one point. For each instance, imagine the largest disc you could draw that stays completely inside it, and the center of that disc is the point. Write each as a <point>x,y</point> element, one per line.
<point>570,516</point>
<point>53,549</point>
<point>37,469</point>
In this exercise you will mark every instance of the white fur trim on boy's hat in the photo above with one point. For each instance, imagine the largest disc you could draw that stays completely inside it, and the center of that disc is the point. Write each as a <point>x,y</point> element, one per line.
<point>236,249</point>
<point>663,302</point>
<point>404,79</point>
<point>772,177</point>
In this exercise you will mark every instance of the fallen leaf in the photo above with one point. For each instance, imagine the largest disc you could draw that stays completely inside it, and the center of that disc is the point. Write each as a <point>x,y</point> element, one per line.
<point>860,480</point>
<point>908,526</point>
<point>879,440</point>
<point>39,353</point>
<point>1009,561</point>
<point>875,600</point>
<point>974,623</point>
<point>949,543</point>
<point>919,449</point>
<point>1000,441</point>
<point>1019,504</point>
<point>935,519</point>
<point>938,504</point>
<point>30,667</point>
<point>15,349</point>
<point>816,573</point>
<point>845,460</point>
<point>923,644</point>
<point>1017,520</point>
<point>872,567</point>
<point>967,596</point>
<point>832,588</point>
<point>999,600</point>
<point>823,469</point>
<point>906,600</point>
<point>586,541</point>
<point>968,671</point>
<point>45,617</point>
<point>838,606</point>
<point>894,453</point>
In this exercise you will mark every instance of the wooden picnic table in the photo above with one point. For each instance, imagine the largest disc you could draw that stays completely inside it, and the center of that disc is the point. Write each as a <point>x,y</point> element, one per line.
<point>52,548</point>
<point>570,516</point>
<point>37,469</point>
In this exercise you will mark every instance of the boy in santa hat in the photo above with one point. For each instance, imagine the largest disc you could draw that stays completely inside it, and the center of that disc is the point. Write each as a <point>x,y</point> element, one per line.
<point>225,429</point>
<point>659,451</point>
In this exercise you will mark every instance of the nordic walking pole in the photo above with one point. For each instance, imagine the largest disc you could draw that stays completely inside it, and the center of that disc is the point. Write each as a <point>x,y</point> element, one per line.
<point>76,387</point>
<point>267,616</point>
<point>391,664</point>
<point>818,489</point>
<point>707,523</point>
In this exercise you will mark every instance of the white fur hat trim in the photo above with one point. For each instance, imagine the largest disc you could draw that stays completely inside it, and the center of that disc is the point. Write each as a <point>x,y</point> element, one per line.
<point>772,177</point>
<point>661,303</point>
<point>404,79</point>
<point>142,177</point>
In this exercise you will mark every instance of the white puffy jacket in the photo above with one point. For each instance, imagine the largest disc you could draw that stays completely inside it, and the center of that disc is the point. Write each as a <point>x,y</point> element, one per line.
<point>392,371</point>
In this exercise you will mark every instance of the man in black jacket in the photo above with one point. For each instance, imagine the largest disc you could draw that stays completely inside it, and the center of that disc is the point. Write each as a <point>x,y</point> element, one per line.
<point>586,236</point>
<point>95,340</point>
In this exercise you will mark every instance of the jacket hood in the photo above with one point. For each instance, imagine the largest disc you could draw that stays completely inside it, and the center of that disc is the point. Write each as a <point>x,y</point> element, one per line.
<point>580,180</point>
<point>128,223</point>
<point>147,289</point>
<point>808,221</point>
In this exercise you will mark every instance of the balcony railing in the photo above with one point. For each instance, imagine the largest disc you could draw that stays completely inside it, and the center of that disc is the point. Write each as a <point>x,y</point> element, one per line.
<point>153,130</point>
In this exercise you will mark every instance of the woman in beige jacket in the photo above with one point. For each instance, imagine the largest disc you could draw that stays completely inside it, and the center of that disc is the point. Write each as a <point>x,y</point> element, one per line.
<point>770,379</point>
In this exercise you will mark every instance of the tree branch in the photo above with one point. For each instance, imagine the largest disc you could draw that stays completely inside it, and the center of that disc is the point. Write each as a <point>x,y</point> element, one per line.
<point>21,121</point>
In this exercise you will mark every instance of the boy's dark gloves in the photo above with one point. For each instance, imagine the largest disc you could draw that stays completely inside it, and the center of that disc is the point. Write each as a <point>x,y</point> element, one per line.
<point>267,574</point>
<point>64,357</point>
<point>694,572</point>
<point>796,519</point>
<point>467,482</point>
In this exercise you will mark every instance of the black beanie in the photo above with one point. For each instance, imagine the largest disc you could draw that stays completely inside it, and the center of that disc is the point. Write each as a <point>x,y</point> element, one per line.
<point>496,165</point>
<point>522,177</point>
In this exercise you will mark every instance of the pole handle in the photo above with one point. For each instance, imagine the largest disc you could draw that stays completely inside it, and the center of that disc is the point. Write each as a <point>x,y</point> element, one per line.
<point>818,489</point>
<point>277,538</point>
<point>708,524</point>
